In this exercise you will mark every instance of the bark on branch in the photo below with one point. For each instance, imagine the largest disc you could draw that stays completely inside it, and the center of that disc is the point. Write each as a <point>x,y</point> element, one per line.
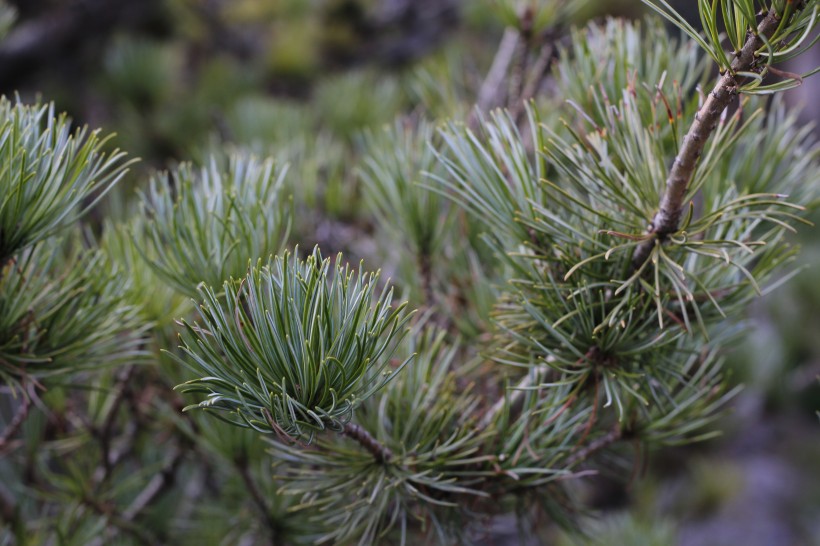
<point>491,93</point>
<point>668,217</point>
<point>16,422</point>
<point>380,451</point>
<point>595,446</point>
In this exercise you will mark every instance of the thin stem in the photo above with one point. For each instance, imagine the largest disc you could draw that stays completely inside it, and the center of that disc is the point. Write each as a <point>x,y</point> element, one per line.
<point>258,499</point>
<point>380,451</point>
<point>668,217</point>
<point>425,266</point>
<point>519,71</point>
<point>142,535</point>
<point>489,94</point>
<point>539,70</point>
<point>118,454</point>
<point>104,434</point>
<point>157,486</point>
<point>595,446</point>
<point>16,423</point>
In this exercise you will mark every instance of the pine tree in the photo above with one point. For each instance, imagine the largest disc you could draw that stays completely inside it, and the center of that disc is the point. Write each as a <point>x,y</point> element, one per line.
<point>575,257</point>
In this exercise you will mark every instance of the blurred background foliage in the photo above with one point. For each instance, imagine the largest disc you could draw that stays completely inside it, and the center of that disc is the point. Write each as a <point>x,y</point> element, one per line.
<point>314,83</point>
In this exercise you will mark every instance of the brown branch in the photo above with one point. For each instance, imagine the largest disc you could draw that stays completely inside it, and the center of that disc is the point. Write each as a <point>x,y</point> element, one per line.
<point>159,484</point>
<point>117,455</point>
<point>518,74</point>
<point>105,431</point>
<point>16,423</point>
<point>539,70</point>
<point>595,446</point>
<point>489,96</point>
<point>668,217</point>
<point>142,535</point>
<point>379,451</point>
<point>258,499</point>
<point>425,266</point>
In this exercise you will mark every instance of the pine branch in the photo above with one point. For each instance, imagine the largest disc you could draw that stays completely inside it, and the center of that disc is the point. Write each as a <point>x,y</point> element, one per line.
<point>266,343</point>
<point>518,75</point>
<point>668,217</point>
<point>160,483</point>
<point>105,433</point>
<point>142,535</point>
<point>425,267</point>
<point>595,446</point>
<point>380,451</point>
<point>539,70</point>
<point>15,424</point>
<point>489,94</point>
<point>116,456</point>
<point>258,499</point>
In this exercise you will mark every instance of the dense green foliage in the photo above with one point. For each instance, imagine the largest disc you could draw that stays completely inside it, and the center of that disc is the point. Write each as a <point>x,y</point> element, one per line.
<point>47,174</point>
<point>233,214</point>
<point>542,350</point>
<point>292,349</point>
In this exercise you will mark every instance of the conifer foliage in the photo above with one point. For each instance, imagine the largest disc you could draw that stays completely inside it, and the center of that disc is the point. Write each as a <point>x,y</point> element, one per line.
<point>578,260</point>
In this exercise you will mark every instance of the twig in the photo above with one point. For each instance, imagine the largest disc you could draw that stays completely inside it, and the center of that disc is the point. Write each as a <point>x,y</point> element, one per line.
<point>597,445</point>
<point>258,499</point>
<point>667,219</point>
<point>380,451</point>
<point>159,484</point>
<point>489,96</point>
<point>104,433</point>
<point>425,266</point>
<point>16,423</point>
<point>142,535</point>
<point>539,70</point>
<point>430,311</point>
<point>518,75</point>
<point>115,456</point>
